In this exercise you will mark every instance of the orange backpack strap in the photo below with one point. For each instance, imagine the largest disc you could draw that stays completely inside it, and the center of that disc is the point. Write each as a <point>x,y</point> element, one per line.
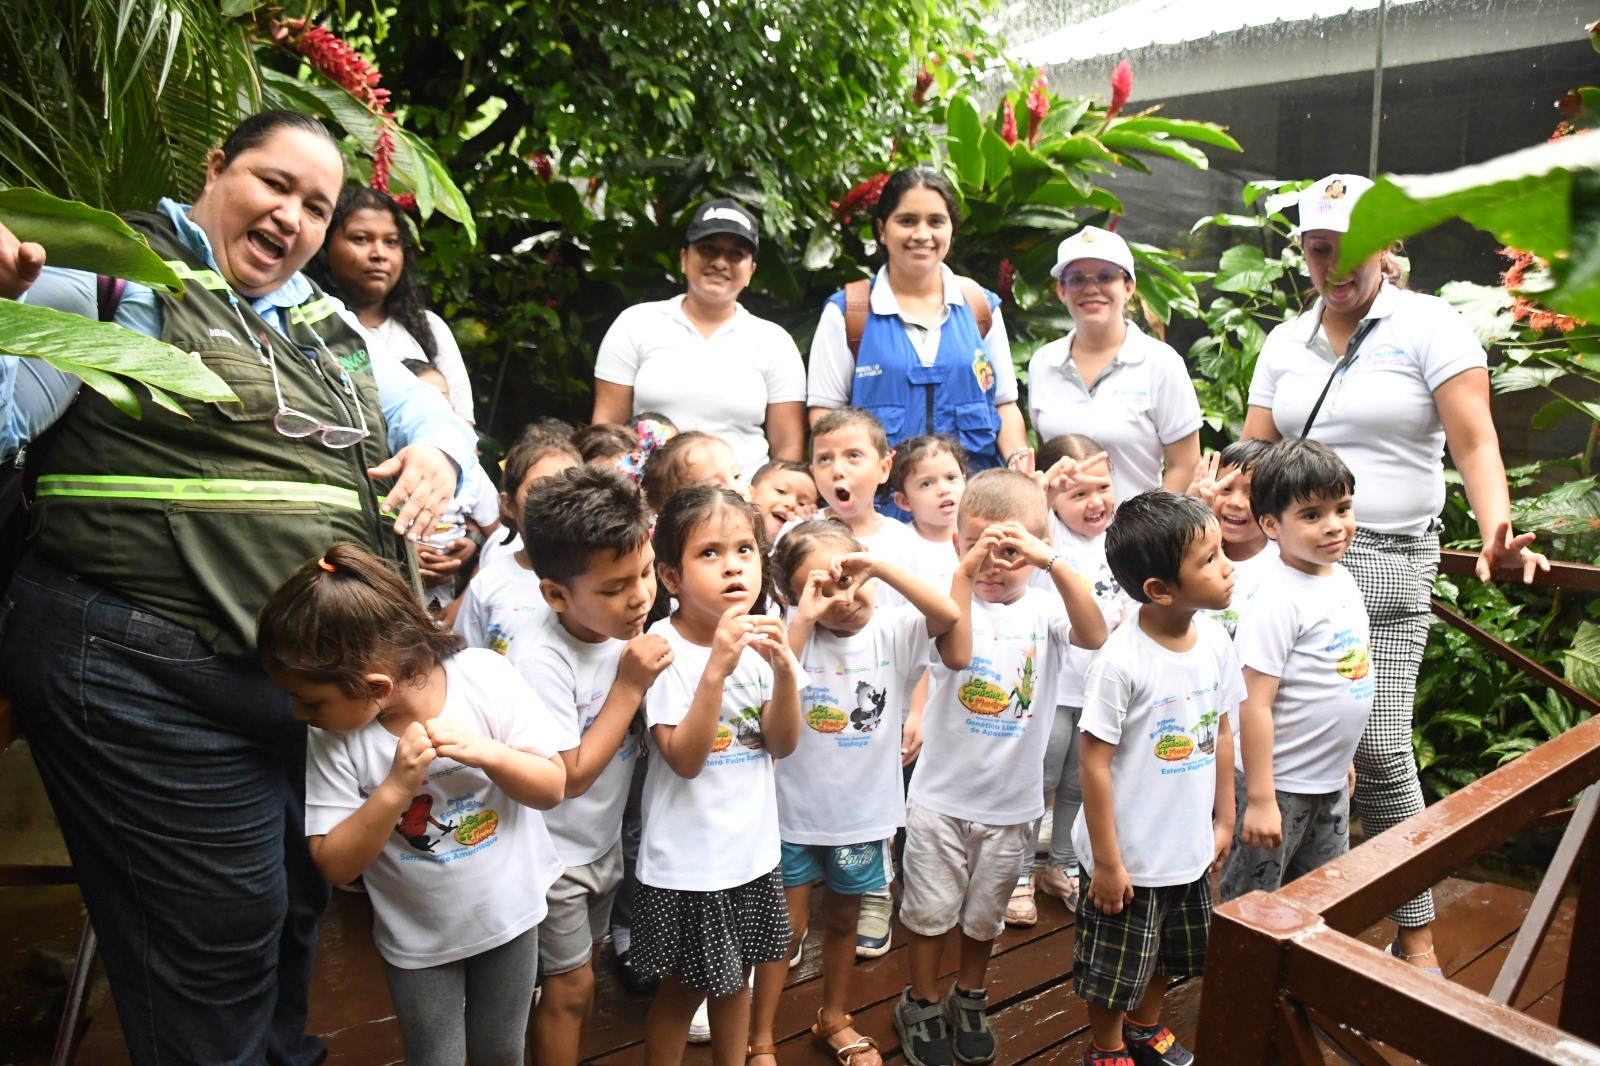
<point>857,302</point>
<point>978,304</point>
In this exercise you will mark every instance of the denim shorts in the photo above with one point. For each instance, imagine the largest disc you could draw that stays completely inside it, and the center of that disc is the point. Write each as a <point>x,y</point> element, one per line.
<point>851,870</point>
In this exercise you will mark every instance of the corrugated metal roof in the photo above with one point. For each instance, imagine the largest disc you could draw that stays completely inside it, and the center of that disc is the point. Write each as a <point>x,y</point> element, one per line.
<point>1165,22</point>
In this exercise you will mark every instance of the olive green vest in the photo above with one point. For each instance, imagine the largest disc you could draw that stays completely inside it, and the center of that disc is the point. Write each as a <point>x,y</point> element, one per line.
<point>198,520</point>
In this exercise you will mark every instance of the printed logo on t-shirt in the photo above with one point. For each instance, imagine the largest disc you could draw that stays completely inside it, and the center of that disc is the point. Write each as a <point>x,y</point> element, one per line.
<point>1355,662</point>
<point>465,827</point>
<point>1384,358</point>
<point>982,695</point>
<point>498,638</point>
<point>1186,747</point>
<point>821,712</point>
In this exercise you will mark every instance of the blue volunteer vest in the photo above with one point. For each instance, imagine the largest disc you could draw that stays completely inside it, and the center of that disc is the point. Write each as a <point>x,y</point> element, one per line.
<point>955,395</point>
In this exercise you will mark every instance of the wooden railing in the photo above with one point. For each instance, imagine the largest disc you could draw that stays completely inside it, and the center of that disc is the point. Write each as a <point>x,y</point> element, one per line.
<point>1288,981</point>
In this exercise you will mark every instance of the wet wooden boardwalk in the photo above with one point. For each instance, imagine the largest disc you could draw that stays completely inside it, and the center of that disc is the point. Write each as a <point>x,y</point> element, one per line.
<point>1035,1014</point>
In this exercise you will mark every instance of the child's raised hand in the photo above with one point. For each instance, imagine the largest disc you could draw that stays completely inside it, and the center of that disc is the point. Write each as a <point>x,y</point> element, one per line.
<point>1263,826</point>
<point>734,634</point>
<point>1206,486</point>
<point>1110,889</point>
<point>978,555</point>
<point>859,567</point>
<point>770,639</point>
<point>453,740</point>
<point>1028,548</point>
<point>643,660</point>
<point>1067,471</point>
<point>812,601</point>
<point>411,758</point>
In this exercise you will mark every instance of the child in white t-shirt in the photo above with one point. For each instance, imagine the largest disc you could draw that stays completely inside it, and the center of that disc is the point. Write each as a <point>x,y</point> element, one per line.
<point>928,476</point>
<point>425,773</point>
<point>1222,482</point>
<point>503,597</point>
<point>1080,490</point>
<point>1307,676</point>
<point>783,492</point>
<point>710,900</point>
<point>589,662</point>
<point>840,793</point>
<point>1157,816</point>
<point>979,784</point>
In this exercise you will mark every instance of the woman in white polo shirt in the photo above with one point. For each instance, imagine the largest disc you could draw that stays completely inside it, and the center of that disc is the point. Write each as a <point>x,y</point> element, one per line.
<point>1110,381</point>
<point>701,359</point>
<point>1388,379</point>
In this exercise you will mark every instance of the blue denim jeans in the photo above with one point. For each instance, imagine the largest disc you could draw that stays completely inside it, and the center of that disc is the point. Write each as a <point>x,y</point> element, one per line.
<point>178,777</point>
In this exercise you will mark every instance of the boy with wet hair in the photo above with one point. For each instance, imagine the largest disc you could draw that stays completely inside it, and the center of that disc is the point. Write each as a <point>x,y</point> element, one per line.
<point>587,533</point>
<point>1307,675</point>
<point>1157,816</point>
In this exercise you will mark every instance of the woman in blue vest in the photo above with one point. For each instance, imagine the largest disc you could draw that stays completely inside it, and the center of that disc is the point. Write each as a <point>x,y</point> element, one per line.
<point>920,363</point>
<point>173,764</point>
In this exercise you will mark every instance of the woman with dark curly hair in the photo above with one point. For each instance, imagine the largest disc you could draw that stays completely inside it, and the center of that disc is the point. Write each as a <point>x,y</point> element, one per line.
<point>368,262</point>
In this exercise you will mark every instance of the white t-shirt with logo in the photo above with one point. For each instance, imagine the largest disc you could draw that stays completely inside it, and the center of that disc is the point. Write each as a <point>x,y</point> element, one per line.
<point>1162,710</point>
<point>1087,558</point>
<point>1250,576</point>
<point>720,829</point>
<point>1310,633</point>
<point>842,784</point>
<point>571,679</point>
<point>502,602</point>
<point>719,384</point>
<point>1140,403</point>
<point>985,727</point>
<point>467,867</point>
<point>1379,414</point>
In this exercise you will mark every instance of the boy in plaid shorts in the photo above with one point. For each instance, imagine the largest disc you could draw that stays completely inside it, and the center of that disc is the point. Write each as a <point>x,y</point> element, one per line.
<point>1157,816</point>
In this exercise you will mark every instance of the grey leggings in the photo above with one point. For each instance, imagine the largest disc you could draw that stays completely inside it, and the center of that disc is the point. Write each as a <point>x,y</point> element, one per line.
<point>1061,783</point>
<point>475,1009</point>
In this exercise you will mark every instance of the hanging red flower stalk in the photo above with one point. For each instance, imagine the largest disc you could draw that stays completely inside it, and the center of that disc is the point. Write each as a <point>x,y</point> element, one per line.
<point>1524,310</point>
<point>859,200</point>
<point>542,167</point>
<point>924,83</point>
<point>1008,121</point>
<point>1007,283</point>
<point>1112,223</point>
<point>406,201</point>
<point>1121,89</point>
<point>1038,106</point>
<point>344,65</point>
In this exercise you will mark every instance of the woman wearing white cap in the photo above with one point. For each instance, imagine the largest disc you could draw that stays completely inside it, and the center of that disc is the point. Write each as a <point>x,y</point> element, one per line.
<point>1110,381</point>
<point>1388,378</point>
<point>703,360</point>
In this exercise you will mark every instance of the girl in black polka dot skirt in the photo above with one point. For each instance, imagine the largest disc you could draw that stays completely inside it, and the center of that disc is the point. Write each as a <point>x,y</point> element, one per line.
<point>710,900</point>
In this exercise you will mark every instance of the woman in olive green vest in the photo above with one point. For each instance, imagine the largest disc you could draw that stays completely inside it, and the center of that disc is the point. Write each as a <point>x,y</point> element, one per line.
<point>173,764</point>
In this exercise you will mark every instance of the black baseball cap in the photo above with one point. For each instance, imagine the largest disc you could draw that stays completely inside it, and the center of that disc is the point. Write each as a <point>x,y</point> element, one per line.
<point>724,216</point>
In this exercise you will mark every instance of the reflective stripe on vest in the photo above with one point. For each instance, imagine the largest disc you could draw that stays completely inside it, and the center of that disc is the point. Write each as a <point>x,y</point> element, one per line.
<point>206,279</point>
<point>314,311</point>
<point>199,490</point>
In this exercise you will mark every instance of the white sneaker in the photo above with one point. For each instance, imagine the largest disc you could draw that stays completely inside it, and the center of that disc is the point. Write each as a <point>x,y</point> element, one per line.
<point>700,1025</point>
<point>872,927</point>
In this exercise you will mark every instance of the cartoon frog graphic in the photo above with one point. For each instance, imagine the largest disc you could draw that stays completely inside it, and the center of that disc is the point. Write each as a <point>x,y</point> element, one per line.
<point>414,823</point>
<point>869,707</point>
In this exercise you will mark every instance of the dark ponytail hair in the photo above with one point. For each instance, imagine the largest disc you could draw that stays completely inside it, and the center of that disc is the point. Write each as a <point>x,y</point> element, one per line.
<point>405,303</point>
<point>346,615</point>
<point>685,512</point>
<point>254,131</point>
<point>902,182</point>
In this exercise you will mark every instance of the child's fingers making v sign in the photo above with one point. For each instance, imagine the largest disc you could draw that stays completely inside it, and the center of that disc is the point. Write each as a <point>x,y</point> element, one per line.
<point>1206,485</point>
<point>1067,471</point>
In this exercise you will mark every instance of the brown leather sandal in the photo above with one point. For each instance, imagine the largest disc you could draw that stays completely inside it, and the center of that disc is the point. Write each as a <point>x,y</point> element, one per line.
<point>845,1055</point>
<point>752,1050</point>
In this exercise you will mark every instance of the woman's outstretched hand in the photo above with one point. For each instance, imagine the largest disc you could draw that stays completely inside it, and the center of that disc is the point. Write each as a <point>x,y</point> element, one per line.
<point>1505,549</point>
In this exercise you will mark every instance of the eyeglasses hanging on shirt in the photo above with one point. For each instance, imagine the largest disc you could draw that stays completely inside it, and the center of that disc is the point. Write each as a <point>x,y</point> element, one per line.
<point>298,424</point>
<point>1351,350</point>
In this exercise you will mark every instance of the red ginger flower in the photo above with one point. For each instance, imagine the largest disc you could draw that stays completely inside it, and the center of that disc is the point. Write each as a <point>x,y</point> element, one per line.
<point>1007,283</point>
<point>542,167</point>
<point>406,201</point>
<point>1523,309</point>
<point>1038,106</point>
<point>924,83</point>
<point>859,200</point>
<point>1008,122</point>
<point>344,65</point>
<point>1121,88</point>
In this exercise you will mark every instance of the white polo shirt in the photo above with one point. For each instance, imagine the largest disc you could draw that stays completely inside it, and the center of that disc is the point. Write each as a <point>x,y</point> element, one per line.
<point>833,368</point>
<point>1140,403</point>
<point>1379,414</point>
<point>719,384</point>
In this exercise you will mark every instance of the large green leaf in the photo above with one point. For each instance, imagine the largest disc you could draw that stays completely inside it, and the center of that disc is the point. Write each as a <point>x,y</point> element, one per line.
<point>1245,268</point>
<point>84,238</point>
<point>1581,662</point>
<point>1204,132</point>
<point>965,140</point>
<point>103,354</point>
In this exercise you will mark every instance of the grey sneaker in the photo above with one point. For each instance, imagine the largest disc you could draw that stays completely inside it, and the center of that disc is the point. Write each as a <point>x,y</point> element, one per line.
<point>872,927</point>
<point>923,1032</point>
<point>966,1013</point>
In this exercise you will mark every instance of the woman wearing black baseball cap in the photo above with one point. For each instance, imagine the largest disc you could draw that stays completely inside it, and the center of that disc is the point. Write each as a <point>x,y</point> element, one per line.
<point>702,359</point>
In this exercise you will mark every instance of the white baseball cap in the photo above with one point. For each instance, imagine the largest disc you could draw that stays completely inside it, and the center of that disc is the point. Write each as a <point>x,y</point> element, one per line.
<point>1327,202</point>
<point>1092,242</point>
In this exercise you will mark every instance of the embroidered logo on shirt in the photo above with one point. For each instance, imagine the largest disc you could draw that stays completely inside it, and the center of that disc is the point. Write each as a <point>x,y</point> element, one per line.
<point>870,370</point>
<point>215,332</point>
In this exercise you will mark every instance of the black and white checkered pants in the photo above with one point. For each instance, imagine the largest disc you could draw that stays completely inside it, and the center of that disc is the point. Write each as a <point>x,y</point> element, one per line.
<point>1395,574</point>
